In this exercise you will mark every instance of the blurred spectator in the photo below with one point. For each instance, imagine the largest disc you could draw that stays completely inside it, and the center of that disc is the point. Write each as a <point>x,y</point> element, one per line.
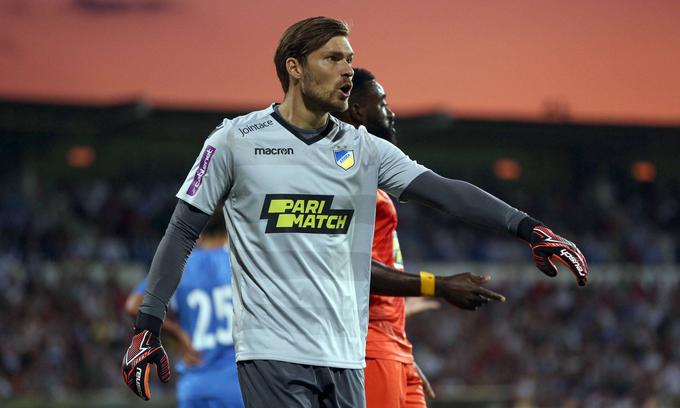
<point>614,345</point>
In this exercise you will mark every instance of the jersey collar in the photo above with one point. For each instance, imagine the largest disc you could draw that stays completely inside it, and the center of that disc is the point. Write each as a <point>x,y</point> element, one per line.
<point>329,126</point>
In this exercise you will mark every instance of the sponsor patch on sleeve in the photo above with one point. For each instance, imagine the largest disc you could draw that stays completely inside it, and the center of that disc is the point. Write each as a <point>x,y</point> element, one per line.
<point>208,154</point>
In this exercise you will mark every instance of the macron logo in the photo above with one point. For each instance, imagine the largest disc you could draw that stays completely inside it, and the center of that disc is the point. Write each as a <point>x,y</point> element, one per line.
<point>273,151</point>
<point>202,169</point>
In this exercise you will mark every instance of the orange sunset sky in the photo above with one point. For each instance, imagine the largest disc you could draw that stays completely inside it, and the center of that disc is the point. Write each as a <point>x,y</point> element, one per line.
<point>606,60</point>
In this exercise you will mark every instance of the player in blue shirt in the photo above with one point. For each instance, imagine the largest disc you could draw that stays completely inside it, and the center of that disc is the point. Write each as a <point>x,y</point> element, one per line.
<point>203,308</point>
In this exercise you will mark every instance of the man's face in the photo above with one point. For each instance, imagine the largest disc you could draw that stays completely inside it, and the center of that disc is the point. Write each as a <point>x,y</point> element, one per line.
<point>378,117</point>
<point>327,76</point>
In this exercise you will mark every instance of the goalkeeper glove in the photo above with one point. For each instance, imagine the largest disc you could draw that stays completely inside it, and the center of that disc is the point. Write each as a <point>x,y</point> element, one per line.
<point>145,349</point>
<point>547,247</point>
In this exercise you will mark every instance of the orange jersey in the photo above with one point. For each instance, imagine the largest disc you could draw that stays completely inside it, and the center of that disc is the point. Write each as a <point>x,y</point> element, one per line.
<point>386,319</point>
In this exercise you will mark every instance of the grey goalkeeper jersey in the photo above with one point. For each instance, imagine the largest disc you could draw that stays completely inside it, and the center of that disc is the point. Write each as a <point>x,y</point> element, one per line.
<point>300,216</point>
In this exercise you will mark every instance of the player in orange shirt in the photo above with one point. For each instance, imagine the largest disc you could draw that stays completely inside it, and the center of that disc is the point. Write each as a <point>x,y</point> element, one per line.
<point>392,379</point>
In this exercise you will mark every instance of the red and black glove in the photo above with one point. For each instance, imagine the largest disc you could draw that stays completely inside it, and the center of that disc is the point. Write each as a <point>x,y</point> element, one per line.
<point>546,247</point>
<point>145,349</point>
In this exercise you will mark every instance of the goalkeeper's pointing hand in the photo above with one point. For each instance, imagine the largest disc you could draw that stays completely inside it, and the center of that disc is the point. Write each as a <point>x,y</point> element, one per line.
<point>547,247</point>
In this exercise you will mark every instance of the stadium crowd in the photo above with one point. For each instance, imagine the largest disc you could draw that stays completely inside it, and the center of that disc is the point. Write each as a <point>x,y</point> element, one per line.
<point>614,345</point>
<point>70,253</point>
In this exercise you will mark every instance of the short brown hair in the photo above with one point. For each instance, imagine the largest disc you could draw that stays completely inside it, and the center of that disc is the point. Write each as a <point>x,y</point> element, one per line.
<point>303,38</point>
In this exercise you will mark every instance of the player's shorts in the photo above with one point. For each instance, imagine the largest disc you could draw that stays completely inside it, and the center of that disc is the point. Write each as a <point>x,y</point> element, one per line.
<point>209,403</point>
<point>393,384</point>
<point>269,383</point>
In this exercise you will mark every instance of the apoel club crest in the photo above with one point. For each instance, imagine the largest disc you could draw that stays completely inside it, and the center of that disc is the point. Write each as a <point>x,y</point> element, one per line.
<point>344,158</point>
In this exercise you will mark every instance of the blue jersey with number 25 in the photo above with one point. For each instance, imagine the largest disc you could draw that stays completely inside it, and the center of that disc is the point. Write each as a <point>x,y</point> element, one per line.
<point>204,308</point>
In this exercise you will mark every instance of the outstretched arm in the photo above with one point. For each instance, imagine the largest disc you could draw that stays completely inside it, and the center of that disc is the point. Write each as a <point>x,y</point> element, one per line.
<point>463,290</point>
<point>473,205</point>
<point>468,203</point>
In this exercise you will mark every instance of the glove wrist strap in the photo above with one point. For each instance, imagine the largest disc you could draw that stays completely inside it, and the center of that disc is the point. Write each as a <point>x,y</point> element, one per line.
<point>526,226</point>
<point>148,322</point>
<point>427,284</point>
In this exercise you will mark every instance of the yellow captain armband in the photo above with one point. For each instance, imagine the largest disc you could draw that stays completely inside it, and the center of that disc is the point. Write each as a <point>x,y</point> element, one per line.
<point>426,284</point>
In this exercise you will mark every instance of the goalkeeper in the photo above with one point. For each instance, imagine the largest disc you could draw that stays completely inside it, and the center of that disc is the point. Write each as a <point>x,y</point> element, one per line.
<point>300,224</point>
